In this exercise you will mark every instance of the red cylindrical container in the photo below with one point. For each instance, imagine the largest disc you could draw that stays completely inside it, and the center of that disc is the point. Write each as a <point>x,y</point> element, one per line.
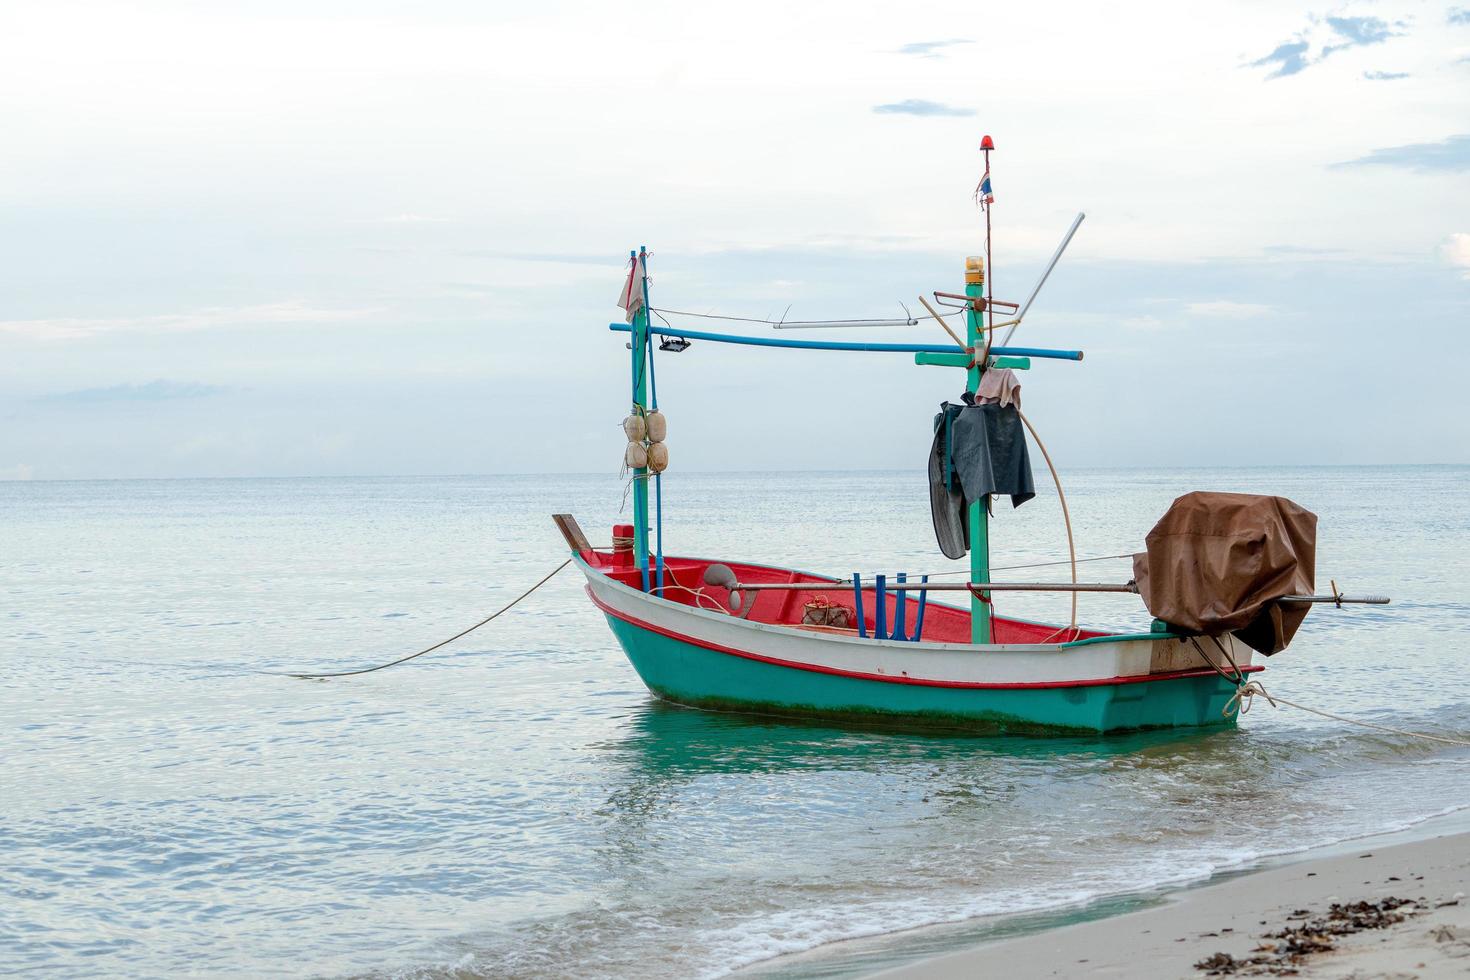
<point>622,537</point>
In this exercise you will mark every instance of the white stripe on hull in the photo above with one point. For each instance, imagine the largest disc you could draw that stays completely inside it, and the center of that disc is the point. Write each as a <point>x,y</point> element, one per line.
<point>997,663</point>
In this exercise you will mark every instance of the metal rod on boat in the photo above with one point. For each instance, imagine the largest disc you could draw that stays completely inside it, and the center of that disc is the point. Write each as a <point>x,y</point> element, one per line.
<point>1360,600</point>
<point>968,302</point>
<point>951,587</point>
<point>722,338</point>
<point>1066,240</point>
<point>837,324</point>
<point>1128,587</point>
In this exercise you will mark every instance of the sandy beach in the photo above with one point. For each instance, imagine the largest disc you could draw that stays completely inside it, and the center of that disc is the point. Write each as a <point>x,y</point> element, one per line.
<point>1393,912</point>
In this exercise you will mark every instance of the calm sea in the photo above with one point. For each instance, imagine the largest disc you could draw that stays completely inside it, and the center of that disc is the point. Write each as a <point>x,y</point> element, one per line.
<point>516,805</point>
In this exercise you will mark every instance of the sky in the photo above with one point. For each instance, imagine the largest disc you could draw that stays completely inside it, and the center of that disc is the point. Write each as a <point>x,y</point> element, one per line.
<point>330,238</point>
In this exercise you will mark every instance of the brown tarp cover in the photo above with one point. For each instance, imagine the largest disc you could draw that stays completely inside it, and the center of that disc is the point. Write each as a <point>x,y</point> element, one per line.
<point>1216,563</point>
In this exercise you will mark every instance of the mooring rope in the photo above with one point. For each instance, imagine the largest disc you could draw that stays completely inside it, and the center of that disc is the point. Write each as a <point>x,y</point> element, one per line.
<point>441,643</point>
<point>1246,691</point>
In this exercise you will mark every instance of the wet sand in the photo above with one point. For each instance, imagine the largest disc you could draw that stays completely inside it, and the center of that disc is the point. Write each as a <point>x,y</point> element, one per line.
<point>1275,922</point>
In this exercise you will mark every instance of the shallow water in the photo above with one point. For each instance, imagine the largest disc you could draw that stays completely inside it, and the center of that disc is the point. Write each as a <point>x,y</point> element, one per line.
<point>517,805</point>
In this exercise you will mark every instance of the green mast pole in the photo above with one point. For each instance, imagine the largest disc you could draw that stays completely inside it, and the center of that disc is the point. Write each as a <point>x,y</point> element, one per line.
<point>979,514</point>
<point>640,402</point>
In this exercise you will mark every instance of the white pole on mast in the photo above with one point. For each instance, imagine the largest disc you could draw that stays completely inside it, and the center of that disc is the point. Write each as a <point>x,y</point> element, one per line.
<point>1066,240</point>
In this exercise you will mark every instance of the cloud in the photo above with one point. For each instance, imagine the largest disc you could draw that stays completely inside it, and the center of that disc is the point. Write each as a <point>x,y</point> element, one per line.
<point>1458,15</point>
<point>69,328</point>
<point>1384,76</point>
<point>1291,57</point>
<point>20,471</point>
<point>153,391</point>
<point>1228,309</point>
<point>931,49</point>
<point>921,107</point>
<point>1301,250</point>
<point>1146,322</point>
<point>608,259</point>
<point>1359,31</point>
<point>1450,155</point>
<point>1456,251</point>
<point>408,218</point>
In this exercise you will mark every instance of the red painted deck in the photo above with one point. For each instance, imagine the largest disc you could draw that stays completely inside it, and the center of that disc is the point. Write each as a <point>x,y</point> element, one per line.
<point>684,583</point>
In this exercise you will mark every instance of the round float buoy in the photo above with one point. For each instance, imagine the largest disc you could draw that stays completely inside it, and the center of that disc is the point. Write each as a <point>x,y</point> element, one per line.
<point>658,457</point>
<point>658,426</point>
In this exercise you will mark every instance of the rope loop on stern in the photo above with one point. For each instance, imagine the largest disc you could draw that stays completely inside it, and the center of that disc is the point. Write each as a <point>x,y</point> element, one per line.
<point>1245,695</point>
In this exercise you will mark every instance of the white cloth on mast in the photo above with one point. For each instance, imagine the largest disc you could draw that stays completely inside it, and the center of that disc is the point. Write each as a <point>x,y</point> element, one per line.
<point>631,299</point>
<point>999,387</point>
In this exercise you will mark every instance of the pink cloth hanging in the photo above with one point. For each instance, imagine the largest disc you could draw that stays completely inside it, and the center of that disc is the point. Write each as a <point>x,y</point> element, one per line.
<point>999,387</point>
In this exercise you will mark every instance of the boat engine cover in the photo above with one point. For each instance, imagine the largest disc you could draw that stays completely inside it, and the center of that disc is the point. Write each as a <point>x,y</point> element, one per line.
<point>1217,562</point>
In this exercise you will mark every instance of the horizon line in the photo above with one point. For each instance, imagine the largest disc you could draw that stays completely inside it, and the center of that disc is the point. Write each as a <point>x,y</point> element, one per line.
<point>699,472</point>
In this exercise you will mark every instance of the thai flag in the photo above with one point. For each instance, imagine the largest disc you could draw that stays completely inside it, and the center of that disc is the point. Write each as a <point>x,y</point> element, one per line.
<point>983,193</point>
<point>631,298</point>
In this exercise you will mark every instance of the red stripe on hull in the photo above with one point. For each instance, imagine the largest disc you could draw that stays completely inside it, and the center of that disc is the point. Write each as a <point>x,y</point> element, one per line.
<point>888,678</point>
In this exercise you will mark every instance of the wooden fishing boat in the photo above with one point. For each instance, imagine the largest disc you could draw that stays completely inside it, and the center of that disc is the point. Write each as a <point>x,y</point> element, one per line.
<point>689,648</point>
<point>740,636</point>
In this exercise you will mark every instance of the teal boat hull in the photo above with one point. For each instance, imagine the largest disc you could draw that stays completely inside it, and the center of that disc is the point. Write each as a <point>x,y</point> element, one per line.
<point>691,674</point>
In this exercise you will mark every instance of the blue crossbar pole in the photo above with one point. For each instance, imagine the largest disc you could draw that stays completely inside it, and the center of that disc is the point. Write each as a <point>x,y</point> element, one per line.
<point>880,623</point>
<point>857,604</point>
<point>725,338</point>
<point>658,496</point>
<point>900,609</point>
<point>919,616</point>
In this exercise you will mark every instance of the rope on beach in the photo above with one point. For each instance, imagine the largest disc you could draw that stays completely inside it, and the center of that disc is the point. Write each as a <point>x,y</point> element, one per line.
<point>441,643</point>
<point>1246,692</point>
